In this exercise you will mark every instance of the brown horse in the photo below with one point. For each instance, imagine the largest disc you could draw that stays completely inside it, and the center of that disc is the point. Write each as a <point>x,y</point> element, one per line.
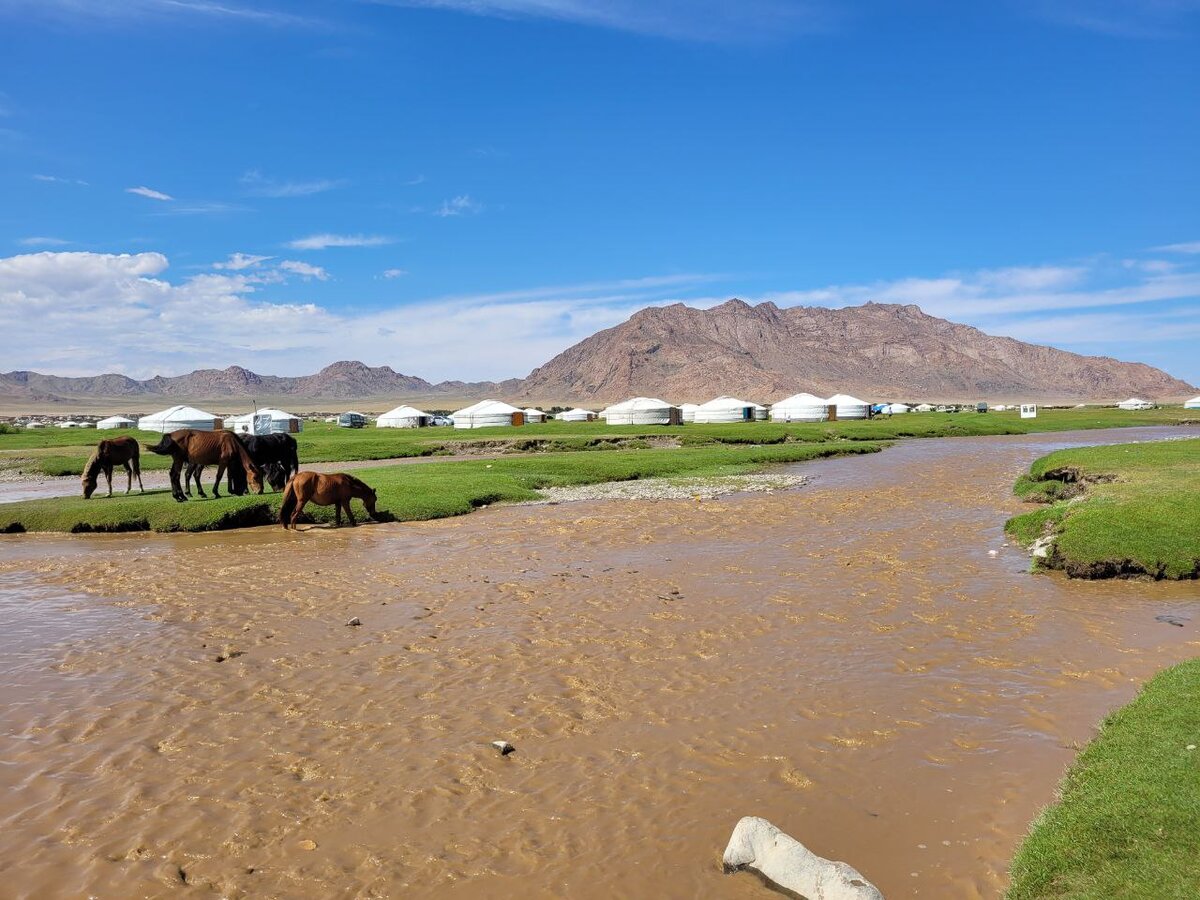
<point>188,447</point>
<point>118,451</point>
<point>324,490</point>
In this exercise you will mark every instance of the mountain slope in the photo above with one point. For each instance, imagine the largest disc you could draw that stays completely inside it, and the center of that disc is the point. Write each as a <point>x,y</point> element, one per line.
<point>875,350</point>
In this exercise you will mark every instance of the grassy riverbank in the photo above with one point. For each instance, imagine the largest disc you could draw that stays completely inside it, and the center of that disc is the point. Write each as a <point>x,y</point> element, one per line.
<point>429,491</point>
<point>1126,823</point>
<point>56,452</point>
<point>1131,509</point>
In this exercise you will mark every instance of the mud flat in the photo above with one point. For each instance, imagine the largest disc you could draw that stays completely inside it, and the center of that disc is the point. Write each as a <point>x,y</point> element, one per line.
<point>846,660</point>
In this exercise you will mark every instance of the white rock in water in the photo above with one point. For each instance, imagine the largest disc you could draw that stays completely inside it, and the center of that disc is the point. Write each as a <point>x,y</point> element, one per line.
<point>504,747</point>
<point>785,862</point>
<point>993,553</point>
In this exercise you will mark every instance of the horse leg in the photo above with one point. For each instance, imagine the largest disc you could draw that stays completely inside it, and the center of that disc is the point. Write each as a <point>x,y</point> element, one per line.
<point>217,481</point>
<point>108,477</point>
<point>176,490</point>
<point>128,477</point>
<point>337,512</point>
<point>137,470</point>
<point>195,472</point>
<point>301,503</point>
<point>350,513</point>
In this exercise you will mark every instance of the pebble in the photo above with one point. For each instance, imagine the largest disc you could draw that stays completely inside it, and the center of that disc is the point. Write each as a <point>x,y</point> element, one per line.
<point>355,621</point>
<point>1191,746</point>
<point>307,845</point>
<point>504,747</point>
<point>993,553</point>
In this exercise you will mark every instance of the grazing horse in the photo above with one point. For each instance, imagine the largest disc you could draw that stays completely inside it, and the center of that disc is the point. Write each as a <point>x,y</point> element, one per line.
<point>324,490</point>
<point>119,451</point>
<point>188,447</point>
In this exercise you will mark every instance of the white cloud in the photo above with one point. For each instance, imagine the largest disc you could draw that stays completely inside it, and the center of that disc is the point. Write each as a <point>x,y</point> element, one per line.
<point>694,20</point>
<point>148,192</point>
<point>412,182</point>
<point>136,12</point>
<point>394,273</point>
<point>1145,19</point>
<point>239,261</point>
<point>42,242</point>
<point>1187,247</point>
<point>462,205</point>
<point>269,187</point>
<point>58,180</point>
<point>322,241</point>
<point>210,208</point>
<point>303,269</point>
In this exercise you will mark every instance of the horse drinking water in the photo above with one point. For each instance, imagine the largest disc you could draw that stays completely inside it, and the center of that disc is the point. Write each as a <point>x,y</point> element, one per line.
<point>324,490</point>
<point>118,451</point>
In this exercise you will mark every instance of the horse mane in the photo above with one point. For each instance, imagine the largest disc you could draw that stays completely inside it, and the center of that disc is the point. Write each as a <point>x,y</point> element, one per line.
<point>358,482</point>
<point>94,464</point>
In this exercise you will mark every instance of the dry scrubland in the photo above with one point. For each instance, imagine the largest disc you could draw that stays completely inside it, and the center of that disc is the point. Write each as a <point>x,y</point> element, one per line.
<point>536,456</point>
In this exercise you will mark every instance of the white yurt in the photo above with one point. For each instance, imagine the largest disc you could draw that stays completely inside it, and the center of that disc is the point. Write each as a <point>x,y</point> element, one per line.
<point>761,413</point>
<point>642,411</point>
<point>725,409</point>
<point>116,422</point>
<point>488,414</point>
<point>249,423</point>
<point>35,424</point>
<point>687,411</point>
<point>282,422</point>
<point>404,417</point>
<point>800,407</point>
<point>1135,403</point>
<point>1194,403</point>
<point>68,424</point>
<point>849,407</point>
<point>924,407</point>
<point>577,415</point>
<point>534,416</point>
<point>894,409</point>
<point>180,417</point>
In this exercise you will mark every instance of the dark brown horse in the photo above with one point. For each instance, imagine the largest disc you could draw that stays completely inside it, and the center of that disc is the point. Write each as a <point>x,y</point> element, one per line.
<point>118,451</point>
<point>324,490</point>
<point>188,447</point>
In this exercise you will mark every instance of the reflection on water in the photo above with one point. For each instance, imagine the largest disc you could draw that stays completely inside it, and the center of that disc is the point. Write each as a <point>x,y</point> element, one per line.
<point>846,660</point>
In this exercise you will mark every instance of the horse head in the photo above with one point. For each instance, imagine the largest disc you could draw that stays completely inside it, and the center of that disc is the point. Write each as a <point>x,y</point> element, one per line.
<point>368,500</point>
<point>254,478</point>
<point>91,475</point>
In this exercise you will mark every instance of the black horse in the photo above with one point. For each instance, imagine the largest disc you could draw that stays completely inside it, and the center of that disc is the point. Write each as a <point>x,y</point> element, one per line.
<point>276,454</point>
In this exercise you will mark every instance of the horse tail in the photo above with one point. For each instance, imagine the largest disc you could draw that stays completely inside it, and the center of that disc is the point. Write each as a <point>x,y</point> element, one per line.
<point>289,504</point>
<point>294,454</point>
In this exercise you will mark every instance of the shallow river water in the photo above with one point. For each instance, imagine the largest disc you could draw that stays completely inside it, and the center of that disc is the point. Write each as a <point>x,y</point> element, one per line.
<point>191,713</point>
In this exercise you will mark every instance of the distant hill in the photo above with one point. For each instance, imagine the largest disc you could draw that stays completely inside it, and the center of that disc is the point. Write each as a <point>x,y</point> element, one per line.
<point>876,350</point>
<point>761,353</point>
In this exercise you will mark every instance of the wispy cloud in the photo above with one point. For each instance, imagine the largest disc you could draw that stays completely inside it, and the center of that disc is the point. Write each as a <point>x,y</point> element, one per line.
<point>148,192</point>
<point>56,179</point>
<point>323,241</point>
<point>1136,19</point>
<point>303,269</point>
<point>43,242</point>
<point>239,261</point>
<point>1186,247</point>
<point>259,186</point>
<point>413,182</point>
<point>213,208</point>
<point>695,20</point>
<point>394,273</point>
<point>462,205</point>
<point>138,11</point>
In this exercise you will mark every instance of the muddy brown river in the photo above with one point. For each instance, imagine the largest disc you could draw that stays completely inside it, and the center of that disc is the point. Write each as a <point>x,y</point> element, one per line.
<point>192,714</point>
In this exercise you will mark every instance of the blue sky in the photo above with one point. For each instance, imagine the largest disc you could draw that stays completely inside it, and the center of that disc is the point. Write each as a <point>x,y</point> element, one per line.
<point>462,188</point>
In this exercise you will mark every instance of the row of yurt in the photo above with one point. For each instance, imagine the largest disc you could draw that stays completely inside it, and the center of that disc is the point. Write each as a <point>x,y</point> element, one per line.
<point>642,411</point>
<point>180,417</point>
<point>488,414</point>
<point>404,417</point>
<point>577,415</point>
<point>800,407</point>
<point>115,422</point>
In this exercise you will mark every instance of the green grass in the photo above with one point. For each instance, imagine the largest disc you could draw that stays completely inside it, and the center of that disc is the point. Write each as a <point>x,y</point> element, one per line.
<point>55,451</point>
<point>1130,509</point>
<point>1127,823</point>
<point>428,491</point>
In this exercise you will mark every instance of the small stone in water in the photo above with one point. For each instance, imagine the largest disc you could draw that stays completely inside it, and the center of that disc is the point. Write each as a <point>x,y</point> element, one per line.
<point>504,747</point>
<point>993,553</point>
<point>355,621</point>
<point>307,845</point>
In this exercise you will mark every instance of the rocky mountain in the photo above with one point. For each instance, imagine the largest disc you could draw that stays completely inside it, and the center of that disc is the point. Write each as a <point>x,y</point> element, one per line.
<point>876,351</point>
<point>761,353</point>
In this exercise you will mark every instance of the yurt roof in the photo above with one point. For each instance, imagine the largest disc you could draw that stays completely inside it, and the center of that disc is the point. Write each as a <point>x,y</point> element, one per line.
<point>689,407</point>
<point>1135,400</point>
<point>405,412</point>
<point>276,413</point>
<point>114,419</point>
<point>640,403</point>
<point>181,412</point>
<point>488,407</point>
<point>802,399</point>
<point>533,412</point>
<point>845,400</point>
<point>1193,400</point>
<point>726,403</point>
<point>578,410</point>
